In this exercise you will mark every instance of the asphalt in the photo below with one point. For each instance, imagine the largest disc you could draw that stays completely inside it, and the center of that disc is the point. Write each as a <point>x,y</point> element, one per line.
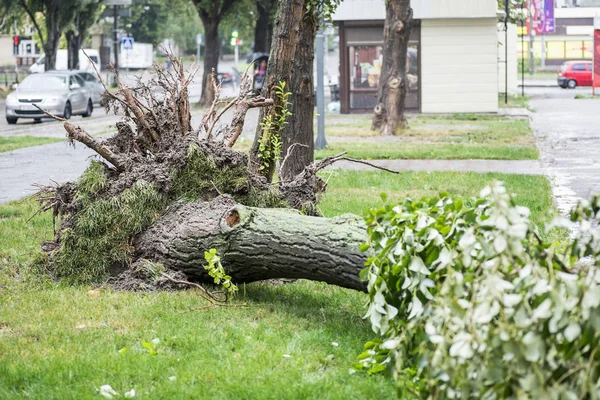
<point>568,136</point>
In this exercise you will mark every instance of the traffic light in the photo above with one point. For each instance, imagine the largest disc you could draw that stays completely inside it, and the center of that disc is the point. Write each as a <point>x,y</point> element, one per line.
<point>16,41</point>
<point>234,38</point>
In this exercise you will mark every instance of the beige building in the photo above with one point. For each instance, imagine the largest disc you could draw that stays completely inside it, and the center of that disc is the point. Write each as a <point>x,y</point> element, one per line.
<point>456,62</point>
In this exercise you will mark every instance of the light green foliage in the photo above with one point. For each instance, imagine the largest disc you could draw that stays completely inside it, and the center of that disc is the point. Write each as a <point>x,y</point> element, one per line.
<point>216,271</point>
<point>472,303</point>
<point>324,8</point>
<point>269,149</point>
<point>99,237</point>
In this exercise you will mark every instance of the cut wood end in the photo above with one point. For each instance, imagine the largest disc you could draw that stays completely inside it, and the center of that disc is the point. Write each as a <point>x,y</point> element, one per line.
<point>233,218</point>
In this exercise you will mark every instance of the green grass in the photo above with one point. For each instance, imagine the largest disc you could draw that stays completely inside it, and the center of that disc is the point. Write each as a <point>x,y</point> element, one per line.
<point>396,151</point>
<point>18,142</point>
<point>514,101</point>
<point>61,342</point>
<point>458,136</point>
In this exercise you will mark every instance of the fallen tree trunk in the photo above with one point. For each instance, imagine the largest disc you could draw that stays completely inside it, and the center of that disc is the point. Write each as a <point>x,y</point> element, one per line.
<point>257,243</point>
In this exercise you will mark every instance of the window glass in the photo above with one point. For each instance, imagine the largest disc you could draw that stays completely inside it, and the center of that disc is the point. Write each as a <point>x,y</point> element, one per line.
<point>365,68</point>
<point>79,80</point>
<point>574,49</point>
<point>579,67</point>
<point>44,82</point>
<point>554,50</point>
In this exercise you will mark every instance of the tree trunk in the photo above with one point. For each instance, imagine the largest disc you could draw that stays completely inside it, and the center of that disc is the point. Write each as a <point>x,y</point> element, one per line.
<point>211,57</point>
<point>280,68</point>
<point>300,127</point>
<point>73,44</point>
<point>263,24</point>
<point>256,243</point>
<point>389,111</point>
<point>53,33</point>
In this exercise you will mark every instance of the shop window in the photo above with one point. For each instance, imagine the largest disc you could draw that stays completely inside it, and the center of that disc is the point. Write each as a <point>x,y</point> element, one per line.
<point>555,50</point>
<point>574,49</point>
<point>365,68</point>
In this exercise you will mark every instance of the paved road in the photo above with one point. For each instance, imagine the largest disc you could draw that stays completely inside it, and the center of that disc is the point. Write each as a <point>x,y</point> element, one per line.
<point>568,134</point>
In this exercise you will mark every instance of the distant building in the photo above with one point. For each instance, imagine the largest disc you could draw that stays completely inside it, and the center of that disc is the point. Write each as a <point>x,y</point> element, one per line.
<point>454,55</point>
<point>573,36</point>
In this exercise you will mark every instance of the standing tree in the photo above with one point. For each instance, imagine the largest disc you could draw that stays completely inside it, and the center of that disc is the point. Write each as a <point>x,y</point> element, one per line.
<point>263,29</point>
<point>266,148</point>
<point>389,111</point>
<point>211,13</point>
<point>86,12</point>
<point>291,62</point>
<point>57,15</point>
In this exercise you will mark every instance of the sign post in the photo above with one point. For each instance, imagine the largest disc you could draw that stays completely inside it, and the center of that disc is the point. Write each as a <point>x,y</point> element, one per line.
<point>127,43</point>
<point>596,64</point>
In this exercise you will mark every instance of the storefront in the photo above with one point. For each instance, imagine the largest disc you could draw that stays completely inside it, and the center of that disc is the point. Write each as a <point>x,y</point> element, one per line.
<point>452,63</point>
<point>361,51</point>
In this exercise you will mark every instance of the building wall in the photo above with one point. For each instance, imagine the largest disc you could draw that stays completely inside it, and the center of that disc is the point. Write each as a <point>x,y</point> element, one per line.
<point>459,65</point>
<point>512,59</point>
<point>6,50</point>
<point>350,10</point>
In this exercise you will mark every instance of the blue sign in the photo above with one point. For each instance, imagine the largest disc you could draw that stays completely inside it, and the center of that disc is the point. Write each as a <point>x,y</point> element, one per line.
<point>127,43</point>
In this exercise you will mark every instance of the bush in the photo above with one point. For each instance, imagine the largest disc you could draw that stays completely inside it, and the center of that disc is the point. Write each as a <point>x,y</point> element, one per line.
<point>472,303</point>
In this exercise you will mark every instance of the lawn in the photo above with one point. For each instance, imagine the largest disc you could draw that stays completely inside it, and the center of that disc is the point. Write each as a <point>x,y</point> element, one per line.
<point>459,136</point>
<point>292,341</point>
<point>17,142</point>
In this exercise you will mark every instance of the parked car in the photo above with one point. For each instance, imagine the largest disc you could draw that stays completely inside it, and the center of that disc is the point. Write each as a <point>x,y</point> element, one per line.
<point>60,93</point>
<point>62,64</point>
<point>93,84</point>
<point>575,73</point>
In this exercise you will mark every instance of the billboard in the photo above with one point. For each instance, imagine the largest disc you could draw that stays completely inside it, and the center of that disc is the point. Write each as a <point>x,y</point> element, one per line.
<point>541,14</point>
<point>596,77</point>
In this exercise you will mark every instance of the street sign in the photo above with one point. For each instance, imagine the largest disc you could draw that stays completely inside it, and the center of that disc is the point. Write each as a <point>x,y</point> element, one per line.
<point>110,13</point>
<point>117,2</point>
<point>199,39</point>
<point>127,43</point>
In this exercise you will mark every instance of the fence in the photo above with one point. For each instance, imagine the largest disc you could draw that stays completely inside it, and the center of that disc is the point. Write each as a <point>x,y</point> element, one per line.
<point>10,77</point>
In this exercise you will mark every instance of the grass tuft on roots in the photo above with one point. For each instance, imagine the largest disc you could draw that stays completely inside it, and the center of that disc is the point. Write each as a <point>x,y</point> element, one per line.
<point>99,239</point>
<point>201,176</point>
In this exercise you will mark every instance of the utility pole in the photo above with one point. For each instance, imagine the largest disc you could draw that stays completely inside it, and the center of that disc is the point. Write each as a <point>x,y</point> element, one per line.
<point>522,51</point>
<point>506,10</point>
<point>320,142</point>
<point>115,35</point>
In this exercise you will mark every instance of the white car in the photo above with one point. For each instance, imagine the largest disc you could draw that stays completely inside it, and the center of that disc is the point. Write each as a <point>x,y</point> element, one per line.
<point>60,93</point>
<point>62,61</point>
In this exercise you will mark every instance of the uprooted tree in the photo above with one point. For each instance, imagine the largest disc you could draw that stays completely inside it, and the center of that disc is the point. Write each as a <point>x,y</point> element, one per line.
<point>166,192</point>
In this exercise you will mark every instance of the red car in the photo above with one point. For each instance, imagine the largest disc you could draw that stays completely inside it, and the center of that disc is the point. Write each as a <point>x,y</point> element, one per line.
<point>575,73</point>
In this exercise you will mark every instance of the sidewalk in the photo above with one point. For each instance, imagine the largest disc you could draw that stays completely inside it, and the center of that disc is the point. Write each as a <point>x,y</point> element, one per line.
<point>538,83</point>
<point>523,167</point>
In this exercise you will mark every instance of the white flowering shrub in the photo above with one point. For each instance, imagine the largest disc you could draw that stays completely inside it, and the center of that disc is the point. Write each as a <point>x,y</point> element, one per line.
<point>471,303</point>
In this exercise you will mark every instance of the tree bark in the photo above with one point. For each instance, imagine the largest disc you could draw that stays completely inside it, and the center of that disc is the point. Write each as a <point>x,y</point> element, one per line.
<point>286,36</point>
<point>53,33</point>
<point>262,36</point>
<point>257,244</point>
<point>211,56</point>
<point>300,129</point>
<point>389,111</point>
<point>73,45</point>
